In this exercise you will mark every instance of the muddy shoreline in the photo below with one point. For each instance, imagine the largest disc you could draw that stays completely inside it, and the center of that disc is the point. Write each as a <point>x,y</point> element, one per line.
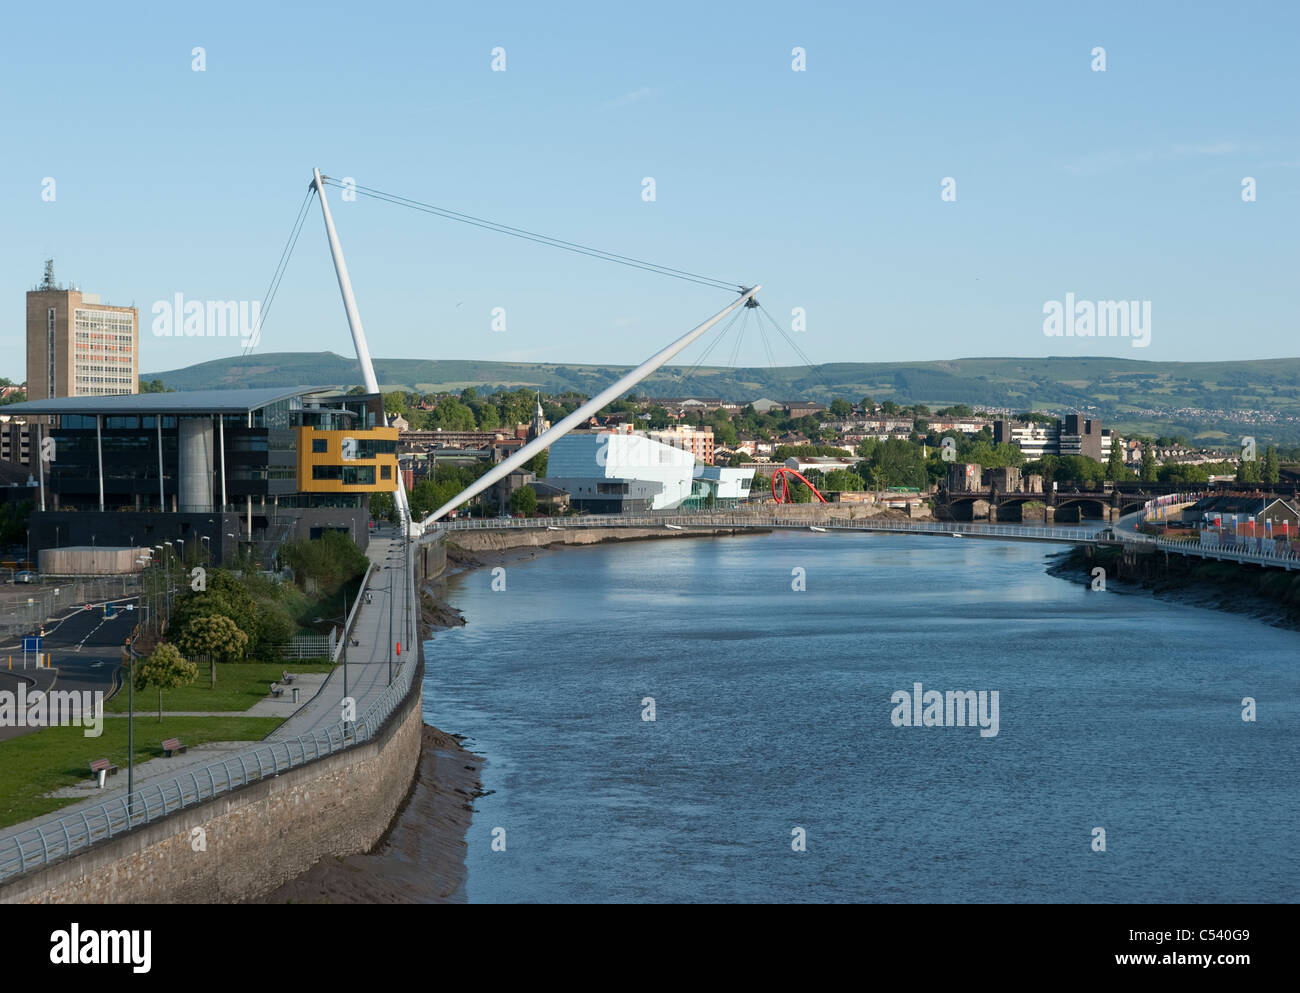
<point>1269,596</point>
<point>422,857</point>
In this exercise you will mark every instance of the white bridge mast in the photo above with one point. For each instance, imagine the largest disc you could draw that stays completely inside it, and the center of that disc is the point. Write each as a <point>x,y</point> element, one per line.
<point>545,439</point>
<point>359,336</point>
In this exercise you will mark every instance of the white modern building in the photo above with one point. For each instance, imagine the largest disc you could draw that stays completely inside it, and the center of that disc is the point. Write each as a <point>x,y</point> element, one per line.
<point>609,473</point>
<point>721,485</point>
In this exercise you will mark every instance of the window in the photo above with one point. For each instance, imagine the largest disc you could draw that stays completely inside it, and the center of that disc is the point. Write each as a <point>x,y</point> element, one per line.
<point>385,472</point>
<point>349,475</point>
<point>319,446</point>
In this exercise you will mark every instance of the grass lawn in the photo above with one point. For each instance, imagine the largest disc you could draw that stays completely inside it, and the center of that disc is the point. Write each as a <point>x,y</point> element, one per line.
<point>239,686</point>
<point>34,764</point>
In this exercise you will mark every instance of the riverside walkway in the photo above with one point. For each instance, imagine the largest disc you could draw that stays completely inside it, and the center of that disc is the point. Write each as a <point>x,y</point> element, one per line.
<point>207,770</point>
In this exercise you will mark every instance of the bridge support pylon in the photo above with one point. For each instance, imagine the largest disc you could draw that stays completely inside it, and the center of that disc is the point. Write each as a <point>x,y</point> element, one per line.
<point>1049,515</point>
<point>1115,515</point>
<point>993,513</point>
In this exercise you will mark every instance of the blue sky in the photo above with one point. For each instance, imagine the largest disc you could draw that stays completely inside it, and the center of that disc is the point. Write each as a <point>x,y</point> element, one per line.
<point>823,185</point>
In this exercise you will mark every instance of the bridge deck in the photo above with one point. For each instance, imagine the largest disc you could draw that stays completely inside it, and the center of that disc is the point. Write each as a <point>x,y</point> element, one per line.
<point>999,532</point>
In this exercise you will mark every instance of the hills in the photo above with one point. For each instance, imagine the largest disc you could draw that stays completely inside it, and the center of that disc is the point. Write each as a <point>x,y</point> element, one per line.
<point>1207,402</point>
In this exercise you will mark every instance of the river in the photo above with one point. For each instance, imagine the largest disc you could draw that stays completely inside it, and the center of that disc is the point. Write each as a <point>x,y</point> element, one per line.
<point>773,717</point>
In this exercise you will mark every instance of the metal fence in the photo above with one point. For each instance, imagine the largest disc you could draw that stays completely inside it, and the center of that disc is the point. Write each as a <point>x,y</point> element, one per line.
<point>309,646</point>
<point>44,843</point>
<point>21,614</point>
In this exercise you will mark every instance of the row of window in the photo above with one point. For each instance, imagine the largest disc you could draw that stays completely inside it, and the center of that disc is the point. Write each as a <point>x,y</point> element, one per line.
<point>103,320</point>
<point>358,448</point>
<point>351,475</point>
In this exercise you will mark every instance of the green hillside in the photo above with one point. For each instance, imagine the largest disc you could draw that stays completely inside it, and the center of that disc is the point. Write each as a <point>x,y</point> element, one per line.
<point>1214,403</point>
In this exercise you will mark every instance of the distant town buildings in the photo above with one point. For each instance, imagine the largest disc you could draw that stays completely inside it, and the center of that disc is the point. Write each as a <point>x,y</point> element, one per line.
<point>1075,435</point>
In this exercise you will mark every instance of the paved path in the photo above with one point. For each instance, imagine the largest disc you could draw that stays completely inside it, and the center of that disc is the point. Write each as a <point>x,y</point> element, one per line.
<point>367,661</point>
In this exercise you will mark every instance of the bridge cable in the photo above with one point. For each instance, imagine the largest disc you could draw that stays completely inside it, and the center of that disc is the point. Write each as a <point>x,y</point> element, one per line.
<point>684,377</point>
<point>538,238</point>
<point>740,337</point>
<point>280,269</point>
<point>781,331</point>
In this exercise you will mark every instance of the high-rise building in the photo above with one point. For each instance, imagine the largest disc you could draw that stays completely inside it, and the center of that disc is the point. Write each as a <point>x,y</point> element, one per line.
<point>77,346</point>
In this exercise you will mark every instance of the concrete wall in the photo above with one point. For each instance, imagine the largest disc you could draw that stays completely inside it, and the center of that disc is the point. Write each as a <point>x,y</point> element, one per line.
<point>89,560</point>
<point>258,838</point>
<point>430,559</point>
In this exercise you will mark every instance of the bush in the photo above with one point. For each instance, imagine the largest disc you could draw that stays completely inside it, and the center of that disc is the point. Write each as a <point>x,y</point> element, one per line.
<point>331,560</point>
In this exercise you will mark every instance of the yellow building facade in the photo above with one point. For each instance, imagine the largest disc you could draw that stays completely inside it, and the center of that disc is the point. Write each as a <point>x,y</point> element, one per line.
<point>361,461</point>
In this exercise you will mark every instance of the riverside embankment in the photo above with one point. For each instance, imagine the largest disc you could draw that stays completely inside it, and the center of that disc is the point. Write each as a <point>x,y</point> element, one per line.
<point>1269,595</point>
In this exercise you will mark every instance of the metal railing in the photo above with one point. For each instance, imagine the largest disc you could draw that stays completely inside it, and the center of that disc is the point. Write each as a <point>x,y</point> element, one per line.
<point>21,614</point>
<point>40,845</point>
<point>309,646</point>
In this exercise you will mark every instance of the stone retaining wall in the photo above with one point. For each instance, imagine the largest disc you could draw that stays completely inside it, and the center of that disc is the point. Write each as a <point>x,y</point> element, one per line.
<point>257,838</point>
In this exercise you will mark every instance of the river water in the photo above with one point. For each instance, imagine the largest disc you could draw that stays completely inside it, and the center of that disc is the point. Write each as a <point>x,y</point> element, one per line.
<point>773,717</point>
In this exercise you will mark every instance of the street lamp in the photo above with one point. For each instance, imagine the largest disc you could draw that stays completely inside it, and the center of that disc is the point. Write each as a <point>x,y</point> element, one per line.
<point>344,620</point>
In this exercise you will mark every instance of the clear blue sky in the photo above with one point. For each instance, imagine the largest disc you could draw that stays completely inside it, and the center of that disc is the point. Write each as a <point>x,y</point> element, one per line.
<point>823,185</point>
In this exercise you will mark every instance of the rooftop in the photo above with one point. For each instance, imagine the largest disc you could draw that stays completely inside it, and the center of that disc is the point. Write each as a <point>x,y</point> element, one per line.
<point>187,402</point>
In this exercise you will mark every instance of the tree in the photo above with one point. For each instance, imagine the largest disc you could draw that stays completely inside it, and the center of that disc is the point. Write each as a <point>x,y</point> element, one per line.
<point>1115,468</point>
<point>1270,471</point>
<point>331,560</point>
<point>898,463</point>
<point>382,507</point>
<point>1148,474</point>
<point>215,636</point>
<point>840,408</point>
<point>165,669</point>
<point>538,463</point>
<point>1249,471</point>
<point>838,480</point>
<point>524,501</point>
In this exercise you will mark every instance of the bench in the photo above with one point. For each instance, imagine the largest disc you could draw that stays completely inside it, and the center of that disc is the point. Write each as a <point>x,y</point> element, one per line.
<point>99,765</point>
<point>277,690</point>
<point>286,677</point>
<point>173,746</point>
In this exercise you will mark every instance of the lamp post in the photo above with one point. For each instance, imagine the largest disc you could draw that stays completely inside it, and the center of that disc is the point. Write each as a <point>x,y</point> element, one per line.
<point>130,727</point>
<point>157,607</point>
<point>344,620</point>
<point>167,580</point>
<point>143,563</point>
